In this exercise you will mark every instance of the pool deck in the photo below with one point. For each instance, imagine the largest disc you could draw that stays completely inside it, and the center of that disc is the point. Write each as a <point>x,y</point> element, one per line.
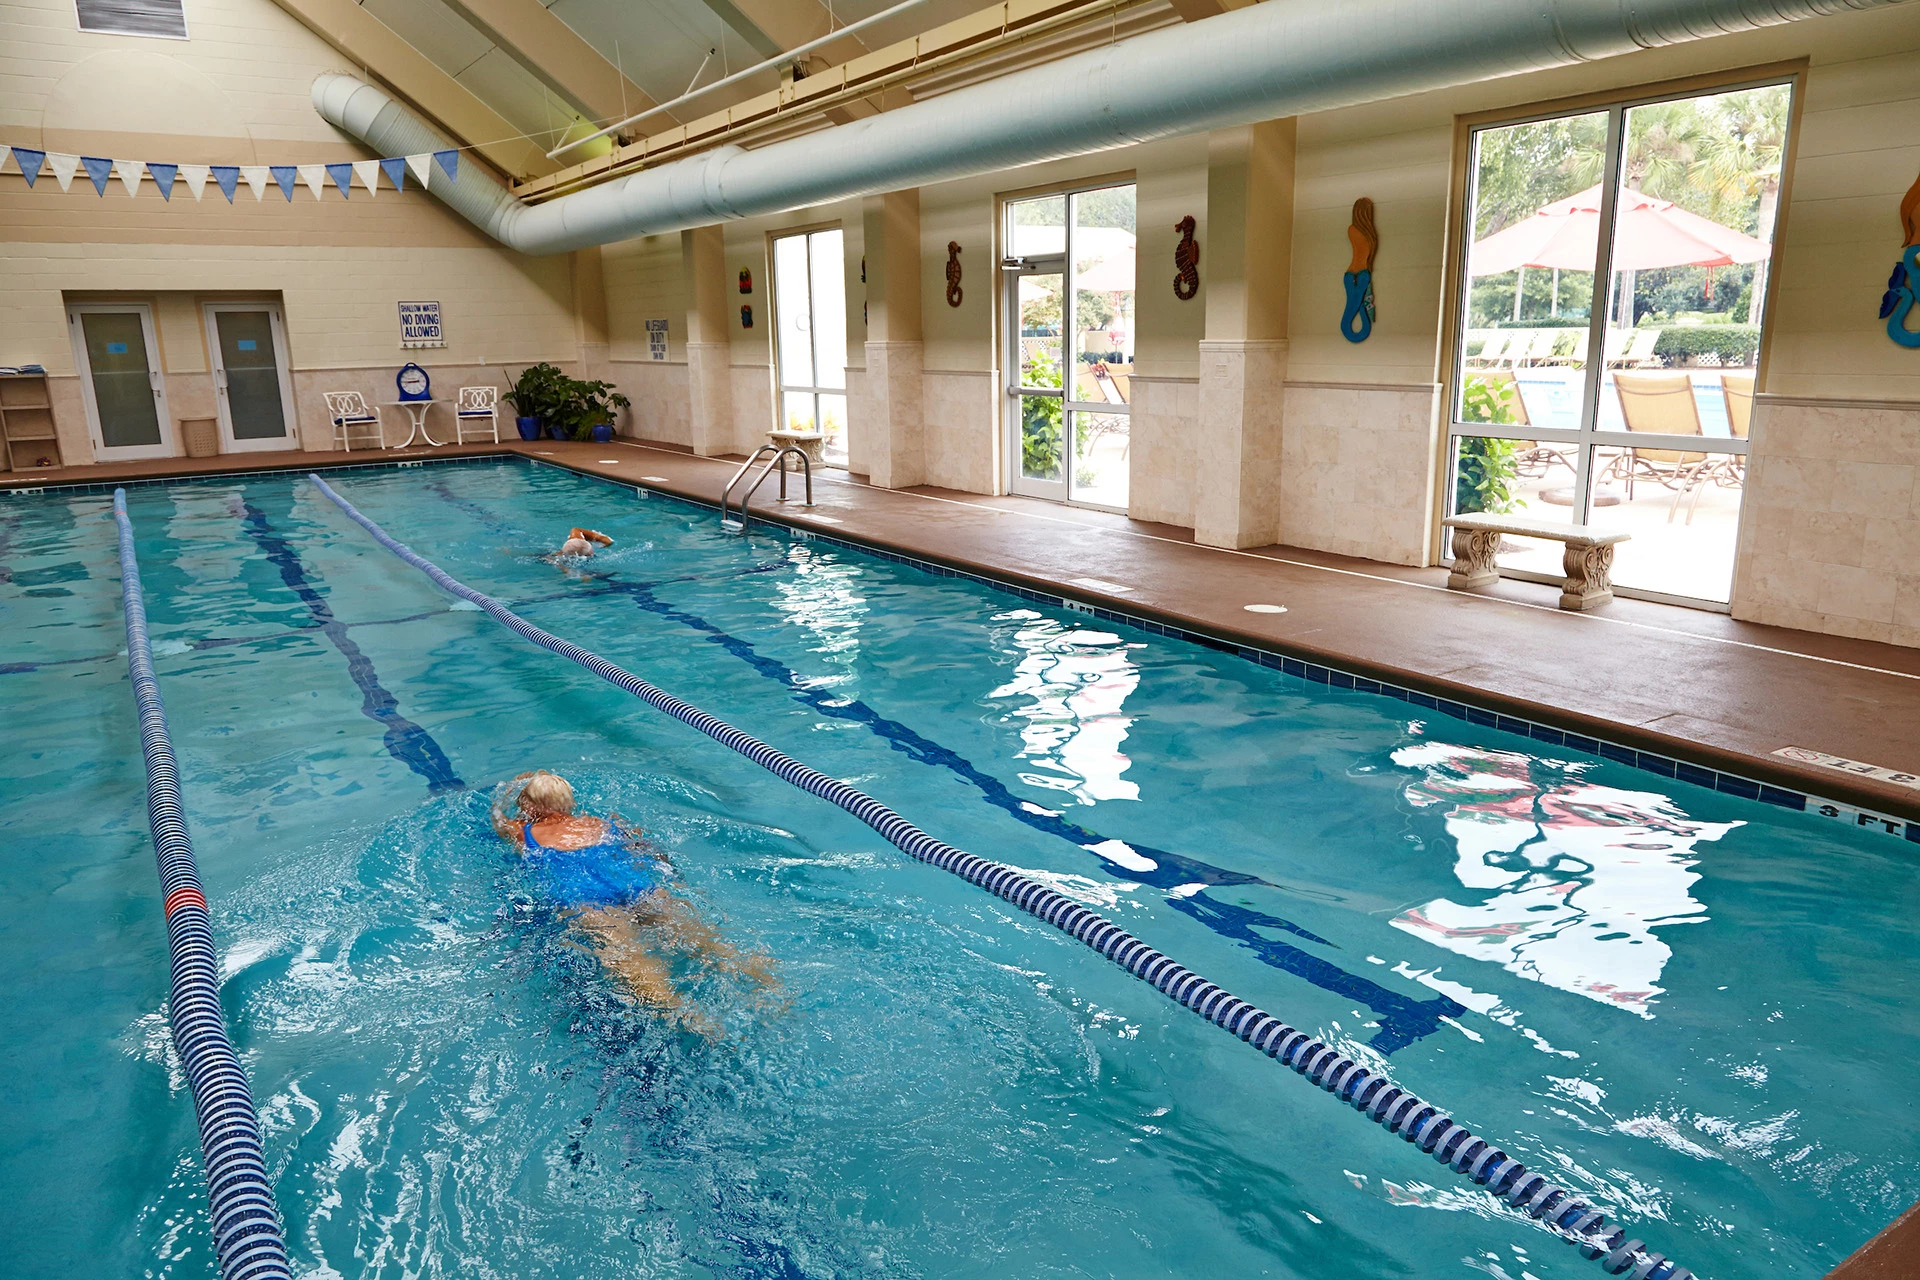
<point>1681,683</point>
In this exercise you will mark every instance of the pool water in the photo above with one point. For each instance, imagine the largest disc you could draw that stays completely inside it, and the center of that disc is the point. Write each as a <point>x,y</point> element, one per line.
<point>1685,1005</point>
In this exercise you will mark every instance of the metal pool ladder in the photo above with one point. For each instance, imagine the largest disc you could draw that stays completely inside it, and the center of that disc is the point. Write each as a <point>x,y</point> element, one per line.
<point>776,463</point>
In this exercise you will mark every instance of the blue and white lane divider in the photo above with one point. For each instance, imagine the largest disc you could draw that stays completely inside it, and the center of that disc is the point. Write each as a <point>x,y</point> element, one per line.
<point>246,1227</point>
<point>1364,1090</point>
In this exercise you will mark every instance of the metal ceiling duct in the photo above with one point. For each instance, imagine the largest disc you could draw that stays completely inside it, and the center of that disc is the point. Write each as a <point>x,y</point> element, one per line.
<point>1280,58</point>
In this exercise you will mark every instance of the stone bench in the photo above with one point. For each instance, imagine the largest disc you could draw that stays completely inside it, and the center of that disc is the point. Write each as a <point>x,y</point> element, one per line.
<point>1588,561</point>
<point>811,443</point>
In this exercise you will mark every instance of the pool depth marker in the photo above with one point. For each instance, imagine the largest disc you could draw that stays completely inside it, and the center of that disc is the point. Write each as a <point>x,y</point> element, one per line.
<point>1367,1091</point>
<point>246,1226</point>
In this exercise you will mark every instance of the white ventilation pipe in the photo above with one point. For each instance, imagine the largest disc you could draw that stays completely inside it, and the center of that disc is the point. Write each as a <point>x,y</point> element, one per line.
<point>1280,58</point>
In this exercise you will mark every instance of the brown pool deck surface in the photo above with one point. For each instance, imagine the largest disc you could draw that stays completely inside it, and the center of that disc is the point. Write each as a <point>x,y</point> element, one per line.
<point>1683,683</point>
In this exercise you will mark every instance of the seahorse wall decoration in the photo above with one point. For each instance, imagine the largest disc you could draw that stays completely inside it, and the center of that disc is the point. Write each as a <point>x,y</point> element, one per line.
<point>1356,322</point>
<point>953,273</point>
<point>1903,286</point>
<point>1186,261</point>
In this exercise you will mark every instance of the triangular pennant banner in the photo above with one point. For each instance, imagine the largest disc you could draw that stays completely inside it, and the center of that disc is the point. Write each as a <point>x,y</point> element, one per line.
<point>130,172</point>
<point>228,176</point>
<point>195,176</point>
<point>64,166</point>
<point>284,176</point>
<point>163,175</point>
<point>256,176</point>
<point>6,154</point>
<point>342,175</point>
<point>419,165</point>
<point>98,171</point>
<point>315,176</point>
<point>368,171</point>
<point>450,161</point>
<point>396,171</point>
<point>29,162</point>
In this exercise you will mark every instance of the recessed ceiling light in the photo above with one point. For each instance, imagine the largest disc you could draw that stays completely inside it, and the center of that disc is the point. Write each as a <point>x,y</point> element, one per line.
<point>1264,608</point>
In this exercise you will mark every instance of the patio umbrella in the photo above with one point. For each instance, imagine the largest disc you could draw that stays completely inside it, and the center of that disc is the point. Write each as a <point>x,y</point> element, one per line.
<point>1652,233</point>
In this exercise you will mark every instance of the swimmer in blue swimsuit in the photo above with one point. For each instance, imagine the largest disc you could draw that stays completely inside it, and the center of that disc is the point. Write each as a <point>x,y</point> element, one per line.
<point>618,895</point>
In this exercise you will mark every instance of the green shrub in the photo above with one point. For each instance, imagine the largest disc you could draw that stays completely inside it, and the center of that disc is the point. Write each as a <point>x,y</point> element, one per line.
<point>1735,344</point>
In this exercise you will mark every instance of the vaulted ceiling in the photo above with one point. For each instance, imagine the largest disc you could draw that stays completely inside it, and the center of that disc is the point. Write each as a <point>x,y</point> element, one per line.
<point>539,68</point>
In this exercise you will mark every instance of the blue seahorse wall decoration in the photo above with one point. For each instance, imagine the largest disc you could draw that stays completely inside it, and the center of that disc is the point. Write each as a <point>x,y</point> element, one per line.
<point>1903,293</point>
<point>1356,322</point>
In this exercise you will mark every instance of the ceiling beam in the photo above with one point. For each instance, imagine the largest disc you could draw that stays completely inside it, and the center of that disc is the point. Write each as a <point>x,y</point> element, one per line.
<point>1195,10</point>
<point>788,24</point>
<point>529,33</point>
<point>372,45</point>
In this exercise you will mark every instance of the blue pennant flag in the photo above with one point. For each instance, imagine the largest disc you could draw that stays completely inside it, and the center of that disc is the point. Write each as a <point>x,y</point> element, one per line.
<point>99,170</point>
<point>29,161</point>
<point>450,161</point>
<point>284,176</point>
<point>163,175</point>
<point>228,176</point>
<point>342,174</point>
<point>396,171</point>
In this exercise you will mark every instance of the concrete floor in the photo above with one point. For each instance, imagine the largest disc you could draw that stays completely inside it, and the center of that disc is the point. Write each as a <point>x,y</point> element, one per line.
<point>1685,683</point>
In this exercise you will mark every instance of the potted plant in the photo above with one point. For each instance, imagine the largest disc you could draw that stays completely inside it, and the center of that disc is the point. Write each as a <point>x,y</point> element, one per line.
<point>586,411</point>
<point>537,393</point>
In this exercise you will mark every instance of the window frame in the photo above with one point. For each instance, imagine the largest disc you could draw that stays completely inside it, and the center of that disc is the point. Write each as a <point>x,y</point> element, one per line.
<point>805,232</point>
<point>1617,103</point>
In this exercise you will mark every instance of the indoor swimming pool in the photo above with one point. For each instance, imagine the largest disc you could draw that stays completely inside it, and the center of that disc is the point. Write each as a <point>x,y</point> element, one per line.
<point>1683,1004</point>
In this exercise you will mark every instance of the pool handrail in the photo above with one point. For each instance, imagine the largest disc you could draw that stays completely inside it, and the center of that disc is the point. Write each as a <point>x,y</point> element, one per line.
<point>1365,1089</point>
<point>726,495</point>
<point>247,1235</point>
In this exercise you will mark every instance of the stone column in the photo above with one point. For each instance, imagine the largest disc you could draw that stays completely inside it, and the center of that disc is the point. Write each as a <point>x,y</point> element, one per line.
<point>709,345</point>
<point>894,435</point>
<point>590,312</point>
<point>1243,359</point>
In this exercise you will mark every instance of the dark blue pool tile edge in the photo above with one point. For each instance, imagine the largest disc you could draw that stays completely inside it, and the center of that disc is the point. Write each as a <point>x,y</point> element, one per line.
<point>147,482</point>
<point>1314,673</point>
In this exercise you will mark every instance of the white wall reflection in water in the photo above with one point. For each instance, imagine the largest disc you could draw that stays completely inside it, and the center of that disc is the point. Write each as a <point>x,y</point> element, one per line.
<point>1073,684</point>
<point>1572,879</point>
<point>823,595</point>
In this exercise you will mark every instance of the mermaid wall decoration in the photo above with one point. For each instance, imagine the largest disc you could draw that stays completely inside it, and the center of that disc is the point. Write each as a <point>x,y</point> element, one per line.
<point>1903,286</point>
<point>1356,323</point>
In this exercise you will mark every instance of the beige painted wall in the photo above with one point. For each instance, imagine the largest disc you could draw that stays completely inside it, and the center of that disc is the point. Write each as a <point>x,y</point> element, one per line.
<point>238,92</point>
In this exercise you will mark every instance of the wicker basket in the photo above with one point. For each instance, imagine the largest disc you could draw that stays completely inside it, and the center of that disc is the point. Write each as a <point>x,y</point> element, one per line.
<point>202,436</point>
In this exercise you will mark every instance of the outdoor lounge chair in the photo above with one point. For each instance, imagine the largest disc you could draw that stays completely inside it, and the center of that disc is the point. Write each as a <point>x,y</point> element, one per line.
<point>1492,351</point>
<point>1636,351</point>
<point>1737,390</point>
<point>1661,404</point>
<point>1534,458</point>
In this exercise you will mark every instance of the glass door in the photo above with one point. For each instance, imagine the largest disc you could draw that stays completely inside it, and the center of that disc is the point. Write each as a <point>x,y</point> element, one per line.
<point>120,380</point>
<point>251,385</point>
<point>1069,276</point>
<point>1610,325</point>
<point>810,336</point>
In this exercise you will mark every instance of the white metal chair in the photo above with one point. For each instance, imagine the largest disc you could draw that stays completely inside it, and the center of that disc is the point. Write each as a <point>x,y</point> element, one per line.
<point>477,405</point>
<point>348,412</point>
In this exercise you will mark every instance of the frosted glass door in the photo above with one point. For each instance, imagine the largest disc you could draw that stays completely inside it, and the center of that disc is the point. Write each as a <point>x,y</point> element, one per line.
<point>125,397</point>
<point>249,376</point>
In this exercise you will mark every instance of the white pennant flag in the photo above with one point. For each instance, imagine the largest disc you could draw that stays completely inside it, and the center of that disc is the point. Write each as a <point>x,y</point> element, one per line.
<point>6,154</point>
<point>420,166</point>
<point>130,173</point>
<point>315,176</point>
<point>257,177</point>
<point>368,171</point>
<point>64,166</point>
<point>195,176</point>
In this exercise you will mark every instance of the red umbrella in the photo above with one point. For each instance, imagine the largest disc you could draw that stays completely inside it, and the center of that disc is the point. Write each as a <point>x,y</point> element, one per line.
<point>1652,233</point>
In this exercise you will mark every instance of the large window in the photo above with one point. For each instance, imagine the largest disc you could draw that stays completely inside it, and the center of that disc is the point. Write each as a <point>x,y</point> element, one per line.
<point>810,336</point>
<point>1623,404</point>
<point>1069,293</point>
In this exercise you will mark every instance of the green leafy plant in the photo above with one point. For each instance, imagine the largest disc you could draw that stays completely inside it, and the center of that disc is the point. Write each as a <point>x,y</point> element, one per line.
<point>584,406</point>
<point>1042,422</point>
<point>538,391</point>
<point>1735,344</point>
<point>1486,466</point>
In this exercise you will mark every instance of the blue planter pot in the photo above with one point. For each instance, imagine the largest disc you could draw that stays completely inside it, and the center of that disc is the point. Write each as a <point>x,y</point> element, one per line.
<point>529,428</point>
<point>556,433</point>
<point>603,433</point>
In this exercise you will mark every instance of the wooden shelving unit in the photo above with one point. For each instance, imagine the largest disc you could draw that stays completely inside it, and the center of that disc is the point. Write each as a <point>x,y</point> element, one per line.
<point>27,439</point>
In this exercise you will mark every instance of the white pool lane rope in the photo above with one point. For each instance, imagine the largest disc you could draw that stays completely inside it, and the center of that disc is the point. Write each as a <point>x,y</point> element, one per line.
<point>1366,1091</point>
<point>246,1227</point>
